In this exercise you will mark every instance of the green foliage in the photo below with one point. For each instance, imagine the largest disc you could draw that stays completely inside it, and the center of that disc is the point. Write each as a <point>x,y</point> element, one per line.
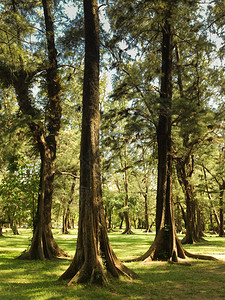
<point>132,50</point>
<point>19,191</point>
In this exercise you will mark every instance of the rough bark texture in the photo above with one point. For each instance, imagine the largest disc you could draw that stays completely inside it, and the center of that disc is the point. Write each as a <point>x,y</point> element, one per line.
<point>219,218</point>
<point>221,227</point>
<point>66,214</point>
<point>166,245</point>
<point>147,225</point>
<point>93,253</point>
<point>144,193</point>
<point>193,229</point>
<point>43,244</point>
<point>126,200</point>
<point>185,169</point>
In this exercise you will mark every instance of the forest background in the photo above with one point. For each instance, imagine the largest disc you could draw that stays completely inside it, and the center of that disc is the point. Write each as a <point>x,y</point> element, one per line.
<point>132,65</point>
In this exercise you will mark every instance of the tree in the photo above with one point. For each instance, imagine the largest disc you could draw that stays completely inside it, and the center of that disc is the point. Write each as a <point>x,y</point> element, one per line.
<point>19,167</point>
<point>19,187</point>
<point>192,135</point>
<point>166,244</point>
<point>145,169</point>
<point>93,248</point>
<point>67,160</point>
<point>19,73</point>
<point>217,175</point>
<point>162,25</point>
<point>216,22</point>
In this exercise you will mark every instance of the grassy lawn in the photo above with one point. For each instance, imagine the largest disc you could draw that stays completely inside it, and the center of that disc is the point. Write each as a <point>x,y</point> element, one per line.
<point>157,280</point>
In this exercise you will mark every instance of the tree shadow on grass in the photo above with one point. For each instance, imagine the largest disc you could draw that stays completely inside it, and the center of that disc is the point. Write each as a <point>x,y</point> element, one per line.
<point>157,280</point>
<point>160,280</point>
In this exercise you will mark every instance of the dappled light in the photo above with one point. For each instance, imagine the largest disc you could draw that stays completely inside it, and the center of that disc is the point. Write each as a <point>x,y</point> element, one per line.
<point>36,279</point>
<point>112,178</point>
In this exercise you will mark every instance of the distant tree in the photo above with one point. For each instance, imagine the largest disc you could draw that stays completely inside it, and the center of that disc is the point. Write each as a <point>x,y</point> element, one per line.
<point>19,167</point>
<point>19,190</point>
<point>216,173</point>
<point>144,175</point>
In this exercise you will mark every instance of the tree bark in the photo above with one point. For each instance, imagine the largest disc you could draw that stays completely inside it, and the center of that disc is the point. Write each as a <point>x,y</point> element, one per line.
<point>126,200</point>
<point>43,245</point>
<point>1,227</point>
<point>94,252</point>
<point>221,210</point>
<point>66,215</point>
<point>145,195</point>
<point>147,225</point>
<point>213,210</point>
<point>14,227</point>
<point>185,169</point>
<point>166,245</point>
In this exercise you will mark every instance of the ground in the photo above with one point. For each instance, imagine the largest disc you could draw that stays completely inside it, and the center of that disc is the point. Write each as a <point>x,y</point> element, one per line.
<point>157,280</point>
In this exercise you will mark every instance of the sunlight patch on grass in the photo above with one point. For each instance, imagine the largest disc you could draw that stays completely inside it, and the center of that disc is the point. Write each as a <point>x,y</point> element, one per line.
<point>157,280</point>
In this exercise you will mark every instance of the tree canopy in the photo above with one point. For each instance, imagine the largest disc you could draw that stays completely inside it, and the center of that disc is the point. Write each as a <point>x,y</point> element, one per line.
<point>128,100</point>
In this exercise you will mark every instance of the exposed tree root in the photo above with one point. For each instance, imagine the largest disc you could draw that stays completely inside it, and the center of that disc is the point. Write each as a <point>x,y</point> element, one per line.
<point>28,255</point>
<point>93,266</point>
<point>178,252</point>
<point>187,240</point>
<point>200,256</point>
<point>97,275</point>
<point>43,247</point>
<point>148,230</point>
<point>162,250</point>
<point>88,273</point>
<point>180,263</point>
<point>153,254</point>
<point>128,231</point>
<point>111,230</point>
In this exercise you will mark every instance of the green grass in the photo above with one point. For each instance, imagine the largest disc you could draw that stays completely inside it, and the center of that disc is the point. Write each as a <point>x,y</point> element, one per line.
<point>157,280</point>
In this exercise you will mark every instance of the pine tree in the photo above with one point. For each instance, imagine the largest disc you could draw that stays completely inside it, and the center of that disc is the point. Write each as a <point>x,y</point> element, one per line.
<point>93,248</point>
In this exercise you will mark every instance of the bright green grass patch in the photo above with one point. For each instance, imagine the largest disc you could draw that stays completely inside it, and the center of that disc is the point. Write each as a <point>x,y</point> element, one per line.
<point>157,280</point>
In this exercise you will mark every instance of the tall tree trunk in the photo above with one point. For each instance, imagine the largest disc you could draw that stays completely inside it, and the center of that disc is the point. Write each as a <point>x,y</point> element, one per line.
<point>66,215</point>
<point>221,210</point>
<point>145,195</point>
<point>185,171</point>
<point>213,210</point>
<point>94,252</point>
<point>1,227</point>
<point>126,200</point>
<point>43,244</point>
<point>166,244</point>
<point>178,216</point>
<point>14,227</point>
<point>109,218</point>
<point>147,225</point>
<point>121,220</point>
